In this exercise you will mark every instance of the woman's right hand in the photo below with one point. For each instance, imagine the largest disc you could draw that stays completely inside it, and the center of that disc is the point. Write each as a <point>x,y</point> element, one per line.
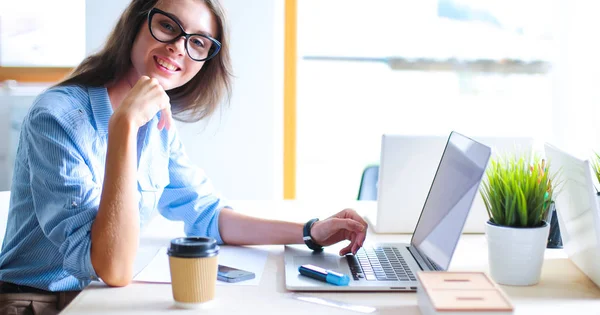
<point>143,101</point>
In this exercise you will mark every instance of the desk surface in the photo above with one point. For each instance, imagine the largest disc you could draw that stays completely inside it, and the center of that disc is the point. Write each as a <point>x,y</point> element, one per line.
<point>563,289</point>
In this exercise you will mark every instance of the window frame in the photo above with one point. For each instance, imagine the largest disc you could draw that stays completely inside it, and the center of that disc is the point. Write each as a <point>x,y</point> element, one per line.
<point>34,74</point>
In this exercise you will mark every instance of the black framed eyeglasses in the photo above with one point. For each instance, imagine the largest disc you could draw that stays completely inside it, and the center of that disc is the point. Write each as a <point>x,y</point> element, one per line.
<point>165,29</point>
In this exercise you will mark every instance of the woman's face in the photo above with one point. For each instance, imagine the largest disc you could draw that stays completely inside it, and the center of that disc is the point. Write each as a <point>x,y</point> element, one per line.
<point>169,63</point>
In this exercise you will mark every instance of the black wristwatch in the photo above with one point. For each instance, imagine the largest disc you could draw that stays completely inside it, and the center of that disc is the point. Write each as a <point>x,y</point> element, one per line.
<point>308,239</point>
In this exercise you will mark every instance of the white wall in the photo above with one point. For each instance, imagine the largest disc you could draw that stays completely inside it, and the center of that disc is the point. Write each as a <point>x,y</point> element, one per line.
<point>240,148</point>
<point>100,18</point>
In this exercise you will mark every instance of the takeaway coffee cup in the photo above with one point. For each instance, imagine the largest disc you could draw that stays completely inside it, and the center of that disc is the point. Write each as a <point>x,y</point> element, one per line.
<point>193,264</point>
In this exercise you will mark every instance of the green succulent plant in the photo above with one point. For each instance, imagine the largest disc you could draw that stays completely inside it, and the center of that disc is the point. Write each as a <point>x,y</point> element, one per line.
<point>596,165</point>
<point>517,193</point>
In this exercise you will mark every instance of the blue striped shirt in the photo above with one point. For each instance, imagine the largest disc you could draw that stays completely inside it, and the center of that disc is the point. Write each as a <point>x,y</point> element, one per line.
<point>57,185</point>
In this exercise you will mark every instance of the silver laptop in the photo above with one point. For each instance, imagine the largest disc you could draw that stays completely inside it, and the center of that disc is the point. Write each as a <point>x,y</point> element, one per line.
<point>407,166</point>
<point>393,267</point>
<point>578,212</point>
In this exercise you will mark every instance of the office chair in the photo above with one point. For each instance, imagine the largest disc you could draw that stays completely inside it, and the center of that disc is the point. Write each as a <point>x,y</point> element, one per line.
<point>369,183</point>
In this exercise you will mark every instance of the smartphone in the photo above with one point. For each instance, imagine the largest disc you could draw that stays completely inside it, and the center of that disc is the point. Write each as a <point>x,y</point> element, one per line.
<point>230,274</point>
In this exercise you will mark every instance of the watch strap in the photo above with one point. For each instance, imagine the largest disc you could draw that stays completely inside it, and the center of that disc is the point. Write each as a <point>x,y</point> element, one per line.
<point>308,239</point>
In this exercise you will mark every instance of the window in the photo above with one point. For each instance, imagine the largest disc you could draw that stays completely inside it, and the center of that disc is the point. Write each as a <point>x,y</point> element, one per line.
<point>40,41</point>
<point>41,33</point>
<point>413,67</point>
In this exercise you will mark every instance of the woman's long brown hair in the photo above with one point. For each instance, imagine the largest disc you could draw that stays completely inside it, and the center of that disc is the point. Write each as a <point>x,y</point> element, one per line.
<point>190,102</point>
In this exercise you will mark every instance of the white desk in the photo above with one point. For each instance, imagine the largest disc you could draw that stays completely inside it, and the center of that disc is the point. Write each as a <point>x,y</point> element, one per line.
<point>562,290</point>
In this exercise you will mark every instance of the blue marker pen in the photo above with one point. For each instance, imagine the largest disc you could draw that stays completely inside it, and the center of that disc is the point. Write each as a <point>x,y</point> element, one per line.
<point>324,275</point>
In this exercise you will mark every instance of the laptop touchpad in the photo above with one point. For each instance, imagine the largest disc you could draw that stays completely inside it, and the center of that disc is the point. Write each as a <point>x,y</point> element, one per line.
<point>323,261</point>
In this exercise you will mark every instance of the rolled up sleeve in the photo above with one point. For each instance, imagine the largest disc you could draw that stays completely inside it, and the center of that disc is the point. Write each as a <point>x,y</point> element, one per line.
<point>190,196</point>
<point>65,196</point>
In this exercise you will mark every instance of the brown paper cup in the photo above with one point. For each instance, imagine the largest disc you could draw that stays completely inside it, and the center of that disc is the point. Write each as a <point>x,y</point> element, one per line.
<point>193,264</point>
<point>193,280</point>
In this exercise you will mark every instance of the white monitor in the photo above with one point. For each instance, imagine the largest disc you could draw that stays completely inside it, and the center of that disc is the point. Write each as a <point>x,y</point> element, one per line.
<point>578,212</point>
<point>407,167</point>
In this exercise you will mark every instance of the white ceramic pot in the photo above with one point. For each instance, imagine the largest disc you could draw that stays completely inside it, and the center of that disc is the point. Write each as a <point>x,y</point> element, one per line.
<point>516,255</point>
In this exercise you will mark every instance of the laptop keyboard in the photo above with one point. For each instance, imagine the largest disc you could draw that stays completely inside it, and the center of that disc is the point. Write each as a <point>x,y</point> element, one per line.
<point>379,264</point>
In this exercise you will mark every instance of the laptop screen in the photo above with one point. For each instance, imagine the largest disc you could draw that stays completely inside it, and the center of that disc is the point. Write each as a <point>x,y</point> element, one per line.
<point>450,197</point>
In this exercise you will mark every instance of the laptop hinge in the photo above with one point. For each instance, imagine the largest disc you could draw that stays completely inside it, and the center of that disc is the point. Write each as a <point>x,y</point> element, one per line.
<point>424,262</point>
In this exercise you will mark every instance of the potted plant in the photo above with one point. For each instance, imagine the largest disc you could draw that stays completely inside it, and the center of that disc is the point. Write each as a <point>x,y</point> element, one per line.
<point>517,196</point>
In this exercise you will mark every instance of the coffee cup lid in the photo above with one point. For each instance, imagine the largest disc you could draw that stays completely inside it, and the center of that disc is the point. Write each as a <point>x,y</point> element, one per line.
<point>193,247</point>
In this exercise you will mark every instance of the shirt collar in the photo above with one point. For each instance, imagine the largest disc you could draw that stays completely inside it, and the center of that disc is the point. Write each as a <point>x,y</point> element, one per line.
<point>101,107</point>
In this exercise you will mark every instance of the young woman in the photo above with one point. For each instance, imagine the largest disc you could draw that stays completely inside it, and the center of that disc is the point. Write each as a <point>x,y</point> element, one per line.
<point>99,154</point>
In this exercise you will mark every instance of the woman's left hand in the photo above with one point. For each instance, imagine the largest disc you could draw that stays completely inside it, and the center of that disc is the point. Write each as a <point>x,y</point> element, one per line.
<point>345,225</point>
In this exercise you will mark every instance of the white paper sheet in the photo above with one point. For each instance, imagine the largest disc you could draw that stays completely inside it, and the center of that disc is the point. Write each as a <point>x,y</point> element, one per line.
<point>245,258</point>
